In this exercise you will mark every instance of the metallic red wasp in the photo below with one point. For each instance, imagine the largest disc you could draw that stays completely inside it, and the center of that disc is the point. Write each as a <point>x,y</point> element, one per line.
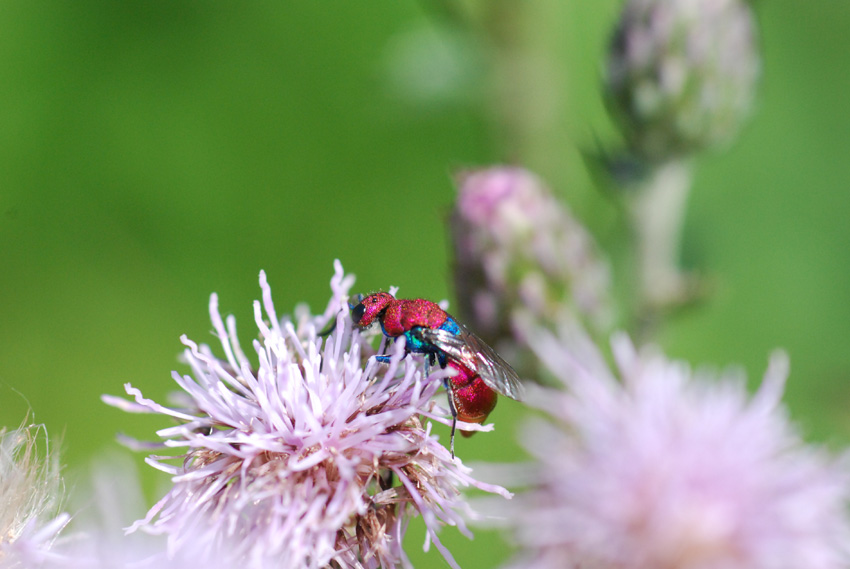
<point>479,372</point>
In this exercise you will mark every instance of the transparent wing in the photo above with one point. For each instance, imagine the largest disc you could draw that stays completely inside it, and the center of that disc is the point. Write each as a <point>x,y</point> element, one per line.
<point>477,355</point>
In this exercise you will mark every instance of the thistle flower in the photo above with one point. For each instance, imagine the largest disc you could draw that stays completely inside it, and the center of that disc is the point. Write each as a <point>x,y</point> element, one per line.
<point>517,249</point>
<point>682,74</point>
<point>94,539</point>
<point>670,469</point>
<point>305,457</point>
<point>30,493</point>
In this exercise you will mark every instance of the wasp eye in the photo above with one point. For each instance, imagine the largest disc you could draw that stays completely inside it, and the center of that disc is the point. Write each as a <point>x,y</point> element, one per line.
<point>357,312</point>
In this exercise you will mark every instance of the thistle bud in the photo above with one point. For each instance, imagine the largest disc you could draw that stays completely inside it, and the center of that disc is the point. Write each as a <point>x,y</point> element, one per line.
<point>682,74</point>
<point>517,249</point>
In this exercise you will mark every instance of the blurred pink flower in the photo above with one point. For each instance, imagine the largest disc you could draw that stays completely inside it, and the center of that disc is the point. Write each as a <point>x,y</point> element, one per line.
<point>519,250</point>
<point>308,457</point>
<point>665,468</point>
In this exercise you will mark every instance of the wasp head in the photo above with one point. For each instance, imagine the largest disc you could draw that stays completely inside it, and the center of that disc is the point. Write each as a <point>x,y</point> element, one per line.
<point>370,308</point>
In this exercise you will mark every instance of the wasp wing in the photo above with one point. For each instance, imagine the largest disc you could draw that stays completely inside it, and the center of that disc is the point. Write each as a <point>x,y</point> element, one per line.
<point>477,355</point>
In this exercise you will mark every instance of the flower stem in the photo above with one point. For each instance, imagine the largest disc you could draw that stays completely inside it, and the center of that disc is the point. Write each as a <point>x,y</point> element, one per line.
<point>528,88</point>
<point>657,211</point>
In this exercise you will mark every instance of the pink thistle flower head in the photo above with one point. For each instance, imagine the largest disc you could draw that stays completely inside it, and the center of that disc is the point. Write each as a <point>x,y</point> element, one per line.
<point>308,454</point>
<point>663,468</point>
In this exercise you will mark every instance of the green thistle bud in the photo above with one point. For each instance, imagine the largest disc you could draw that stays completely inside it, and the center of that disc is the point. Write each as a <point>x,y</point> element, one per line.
<point>682,74</point>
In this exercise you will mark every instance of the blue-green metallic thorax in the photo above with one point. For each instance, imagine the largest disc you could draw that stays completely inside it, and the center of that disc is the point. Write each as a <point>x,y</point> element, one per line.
<point>418,346</point>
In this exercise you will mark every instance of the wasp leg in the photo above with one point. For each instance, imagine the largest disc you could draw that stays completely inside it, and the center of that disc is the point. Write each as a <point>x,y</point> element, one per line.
<point>430,361</point>
<point>382,349</point>
<point>454,415</point>
<point>385,480</point>
<point>443,358</point>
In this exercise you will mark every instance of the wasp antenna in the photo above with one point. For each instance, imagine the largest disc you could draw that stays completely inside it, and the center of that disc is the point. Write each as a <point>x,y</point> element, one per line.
<point>330,328</point>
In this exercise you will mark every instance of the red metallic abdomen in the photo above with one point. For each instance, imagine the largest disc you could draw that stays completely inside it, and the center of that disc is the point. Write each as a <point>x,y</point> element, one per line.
<point>402,315</point>
<point>472,398</point>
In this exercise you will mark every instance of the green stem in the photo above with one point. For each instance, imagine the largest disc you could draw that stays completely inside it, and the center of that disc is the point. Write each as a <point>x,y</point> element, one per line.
<point>658,212</point>
<point>528,88</point>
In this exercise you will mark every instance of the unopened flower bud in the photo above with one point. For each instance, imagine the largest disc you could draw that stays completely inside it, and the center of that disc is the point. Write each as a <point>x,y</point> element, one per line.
<point>682,74</point>
<point>517,249</point>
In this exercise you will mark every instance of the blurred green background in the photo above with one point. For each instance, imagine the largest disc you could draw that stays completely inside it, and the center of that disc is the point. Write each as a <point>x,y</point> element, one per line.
<point>154,152</point>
